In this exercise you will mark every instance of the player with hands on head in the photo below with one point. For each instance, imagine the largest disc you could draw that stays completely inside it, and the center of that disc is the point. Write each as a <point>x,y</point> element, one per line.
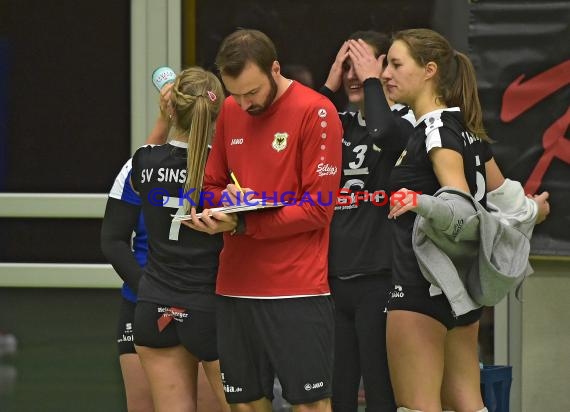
<point>360,255</point>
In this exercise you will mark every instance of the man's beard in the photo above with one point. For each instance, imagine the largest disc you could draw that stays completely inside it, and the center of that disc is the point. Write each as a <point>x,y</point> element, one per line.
<point>257,110</point>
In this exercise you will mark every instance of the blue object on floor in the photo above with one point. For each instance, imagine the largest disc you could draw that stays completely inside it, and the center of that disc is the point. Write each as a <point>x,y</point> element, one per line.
<point>496,387</point>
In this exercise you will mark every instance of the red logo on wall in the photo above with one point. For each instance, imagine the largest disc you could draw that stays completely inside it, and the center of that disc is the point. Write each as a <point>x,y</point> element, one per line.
<point>520,97</point>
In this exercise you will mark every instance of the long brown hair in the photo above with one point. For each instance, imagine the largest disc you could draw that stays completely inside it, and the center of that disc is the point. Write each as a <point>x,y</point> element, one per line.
<point>456,83</point>
<point>197,97</point>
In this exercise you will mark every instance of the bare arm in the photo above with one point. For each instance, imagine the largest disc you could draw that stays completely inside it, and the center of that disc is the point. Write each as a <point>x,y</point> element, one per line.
<point>494,178</point>
<point>159,133</point>
<point>448,168</point>
<point>334,79</point>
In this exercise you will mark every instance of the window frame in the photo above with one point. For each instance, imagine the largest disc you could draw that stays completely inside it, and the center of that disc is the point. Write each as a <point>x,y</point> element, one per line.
<point>155,41</point>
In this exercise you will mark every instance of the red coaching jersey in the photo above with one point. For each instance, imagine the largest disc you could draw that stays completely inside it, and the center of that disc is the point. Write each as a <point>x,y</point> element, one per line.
<point>291,152</point>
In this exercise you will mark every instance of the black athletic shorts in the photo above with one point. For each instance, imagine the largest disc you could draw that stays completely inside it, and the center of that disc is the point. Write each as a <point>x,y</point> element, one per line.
<point>125,337</point>
<point>418,299</point>
<point>291,338</point>
<point>160,326</point>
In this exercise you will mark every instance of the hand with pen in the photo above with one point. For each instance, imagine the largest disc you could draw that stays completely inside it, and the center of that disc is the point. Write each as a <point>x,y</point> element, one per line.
<point>235,193</point>
<point>217,222</point>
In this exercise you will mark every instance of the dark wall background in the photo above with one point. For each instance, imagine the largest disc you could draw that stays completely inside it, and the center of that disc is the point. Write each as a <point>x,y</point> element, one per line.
<point>64,116</point>
<point>510,39</point>
<point>304,32</point>
<point>67,68</point>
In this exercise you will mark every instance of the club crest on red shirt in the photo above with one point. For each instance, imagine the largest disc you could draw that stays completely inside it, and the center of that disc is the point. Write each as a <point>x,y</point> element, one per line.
<point>279,141</point>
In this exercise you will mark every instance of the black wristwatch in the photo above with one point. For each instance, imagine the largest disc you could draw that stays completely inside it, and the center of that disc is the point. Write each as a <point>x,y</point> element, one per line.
<point>240,227</point>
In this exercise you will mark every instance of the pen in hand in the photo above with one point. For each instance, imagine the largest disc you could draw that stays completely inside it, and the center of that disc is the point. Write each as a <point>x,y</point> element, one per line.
<point>236,183</point>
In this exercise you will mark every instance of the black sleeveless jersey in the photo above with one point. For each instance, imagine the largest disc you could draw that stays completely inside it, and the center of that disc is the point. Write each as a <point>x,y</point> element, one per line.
<point>414,171</point>
<point>360,242</point>
<point>182,263</point>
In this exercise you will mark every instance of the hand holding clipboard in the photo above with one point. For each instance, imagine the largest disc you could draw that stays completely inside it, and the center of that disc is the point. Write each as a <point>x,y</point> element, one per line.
<point>238,202</point>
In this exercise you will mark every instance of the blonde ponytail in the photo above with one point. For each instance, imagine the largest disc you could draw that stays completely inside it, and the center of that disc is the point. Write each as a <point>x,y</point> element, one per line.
<point>197,97</point>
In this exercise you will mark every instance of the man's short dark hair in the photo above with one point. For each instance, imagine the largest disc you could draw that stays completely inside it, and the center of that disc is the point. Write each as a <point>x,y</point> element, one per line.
<point>243,46</point>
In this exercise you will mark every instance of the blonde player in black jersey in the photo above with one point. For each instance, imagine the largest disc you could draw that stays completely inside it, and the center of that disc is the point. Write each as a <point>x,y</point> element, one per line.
<point>175,325</point>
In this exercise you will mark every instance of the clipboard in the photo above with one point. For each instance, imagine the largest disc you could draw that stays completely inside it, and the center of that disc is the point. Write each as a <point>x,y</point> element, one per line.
<point>250,205</point>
